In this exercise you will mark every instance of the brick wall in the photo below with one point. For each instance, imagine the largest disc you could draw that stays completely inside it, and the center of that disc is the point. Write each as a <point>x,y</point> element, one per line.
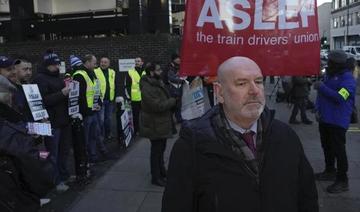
<point>151,47</point>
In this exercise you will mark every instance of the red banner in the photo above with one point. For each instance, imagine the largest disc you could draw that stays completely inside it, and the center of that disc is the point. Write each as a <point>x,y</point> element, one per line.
<point>281,36</point>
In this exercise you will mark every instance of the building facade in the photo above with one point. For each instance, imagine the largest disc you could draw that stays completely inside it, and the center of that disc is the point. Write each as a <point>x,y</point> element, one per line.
<point>324,14</point>
<point>34,20</point>
<point>345,23</point>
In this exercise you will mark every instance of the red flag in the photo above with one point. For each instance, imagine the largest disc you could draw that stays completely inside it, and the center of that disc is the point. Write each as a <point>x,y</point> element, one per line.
<point>281,36</point>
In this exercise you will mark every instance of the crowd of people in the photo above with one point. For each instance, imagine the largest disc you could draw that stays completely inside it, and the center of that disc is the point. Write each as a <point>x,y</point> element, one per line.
<point>86,130</point>
<point>235,151</point>
<point>100,90</point>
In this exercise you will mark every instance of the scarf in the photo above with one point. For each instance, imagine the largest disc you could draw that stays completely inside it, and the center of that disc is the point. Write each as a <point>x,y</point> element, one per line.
<point>233,140</point>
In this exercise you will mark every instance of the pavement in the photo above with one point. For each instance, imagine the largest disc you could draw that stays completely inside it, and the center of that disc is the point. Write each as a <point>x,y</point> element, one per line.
<point>126,187</point>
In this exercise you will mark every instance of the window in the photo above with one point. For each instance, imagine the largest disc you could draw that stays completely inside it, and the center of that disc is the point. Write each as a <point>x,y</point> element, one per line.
<point>343,3</point>
<point>357,17</point>
<point>336,4</point>
<point>342,21</point>
<point>335,22</point>
<point>350,22</point>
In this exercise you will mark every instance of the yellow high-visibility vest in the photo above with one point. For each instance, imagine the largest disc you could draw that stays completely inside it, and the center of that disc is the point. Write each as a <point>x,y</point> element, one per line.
<point>90,87</point>
<point>101,77</point>
<point>135,85</point>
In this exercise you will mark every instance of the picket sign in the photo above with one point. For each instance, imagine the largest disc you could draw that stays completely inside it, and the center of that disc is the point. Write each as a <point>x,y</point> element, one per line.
<point>35,103</point>
<point>127,123</point>
<point>74,97</point>
<point>195,100</point>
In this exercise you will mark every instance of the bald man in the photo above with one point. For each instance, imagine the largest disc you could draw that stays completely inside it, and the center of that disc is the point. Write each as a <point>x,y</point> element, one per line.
<point>237,157</point>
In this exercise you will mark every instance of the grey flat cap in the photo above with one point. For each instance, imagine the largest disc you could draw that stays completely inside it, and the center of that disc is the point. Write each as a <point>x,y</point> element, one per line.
<point>338,56</point>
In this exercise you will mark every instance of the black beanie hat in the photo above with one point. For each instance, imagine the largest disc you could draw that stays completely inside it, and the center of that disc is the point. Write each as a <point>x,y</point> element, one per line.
<point>174,56</point>
<point>338,57</point>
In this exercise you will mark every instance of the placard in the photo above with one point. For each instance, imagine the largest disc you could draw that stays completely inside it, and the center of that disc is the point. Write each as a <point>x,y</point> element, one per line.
<point>74,97</point>
<point>37,128</point>
<point>126,123</point>
<point>97,95</point>
<point>126,64</point>
<point>62,68</point>
<point>35,103</point>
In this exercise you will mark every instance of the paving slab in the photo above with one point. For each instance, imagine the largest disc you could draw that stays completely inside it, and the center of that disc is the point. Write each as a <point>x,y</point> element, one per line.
<point>110,201</point>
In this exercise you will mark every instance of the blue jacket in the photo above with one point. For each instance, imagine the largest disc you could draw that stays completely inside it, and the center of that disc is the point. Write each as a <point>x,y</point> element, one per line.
<point>335,100</point>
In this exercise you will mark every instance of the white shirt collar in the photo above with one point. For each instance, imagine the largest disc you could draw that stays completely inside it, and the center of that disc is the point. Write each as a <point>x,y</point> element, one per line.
<point>241,130</point>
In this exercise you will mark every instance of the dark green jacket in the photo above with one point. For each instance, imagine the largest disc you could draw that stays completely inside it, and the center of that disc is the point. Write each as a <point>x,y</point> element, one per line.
<point>301,87</point>
<point>156,106</point>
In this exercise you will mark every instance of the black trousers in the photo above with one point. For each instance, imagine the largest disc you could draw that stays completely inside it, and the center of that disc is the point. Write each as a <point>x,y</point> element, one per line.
<point>299,104</point>
<point>333,141</point>
<point>79,146</point>
<point>157,164</point>
<point>64,152</point>
<point>136,106</point>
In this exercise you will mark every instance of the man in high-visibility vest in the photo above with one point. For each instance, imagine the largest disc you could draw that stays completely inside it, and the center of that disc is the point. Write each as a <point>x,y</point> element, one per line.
<point>90,105</point>
<point>132,83</point>
<point>106,76</point>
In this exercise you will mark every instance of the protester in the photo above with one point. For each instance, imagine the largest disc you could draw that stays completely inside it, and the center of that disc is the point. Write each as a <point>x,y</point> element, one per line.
<point>156,119</point>
<point>7,108</point>
<point>175,82</point>
<point>216,166</point>
<point>8,75</point>
<point>90,105</point>
<point>299,94</point>
<point>23,69</point>
<point>6,68</point>
<point>24,179</point>
<point>334,104</point>
<point>82,170</point>
<point>106,76</point>
<point>55,93</point>
<point>132,84</point>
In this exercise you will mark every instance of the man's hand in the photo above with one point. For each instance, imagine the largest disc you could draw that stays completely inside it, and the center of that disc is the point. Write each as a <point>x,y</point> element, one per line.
<point>77,116</point>
<point>97,108</point>
<point>119,99</point>
<point>35,136</point>
<point>317,85</point>
<point>45,120</point>
<point>65,91</point>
